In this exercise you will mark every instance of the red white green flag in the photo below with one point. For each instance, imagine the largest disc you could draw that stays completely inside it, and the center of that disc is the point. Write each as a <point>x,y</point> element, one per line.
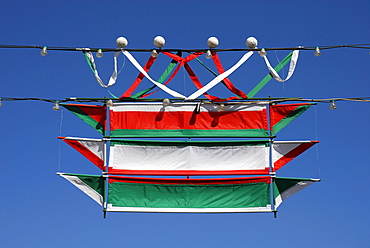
<point>200,120</point>
<point>92,149</point>
<point>223,195</point>
<point>94,115</point>
<point>201,157</point>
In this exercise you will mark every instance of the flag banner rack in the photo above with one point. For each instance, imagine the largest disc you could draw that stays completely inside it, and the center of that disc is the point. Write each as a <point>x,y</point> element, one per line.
<point>169,153</point>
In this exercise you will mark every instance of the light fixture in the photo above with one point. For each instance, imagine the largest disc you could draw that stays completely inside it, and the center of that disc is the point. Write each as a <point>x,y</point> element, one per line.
<point>222,107</point>
<point>332,105</point>
<point>121,42</point>
<point>109,103</point>
<point>56,106</point>
<point>44,51</point>
<point>1,103</point>
<point>166,102</point>
<point>212,42</point>
<point>317,52</point>
<point>251,42</point>
<point>263,52</point>
<point>99,53</point>
<point>154,53</point>
<point>159,41</point>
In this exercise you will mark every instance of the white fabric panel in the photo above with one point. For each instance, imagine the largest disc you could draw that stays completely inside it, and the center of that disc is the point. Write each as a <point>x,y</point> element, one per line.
<point>84,188</point>
<point>213,158</point>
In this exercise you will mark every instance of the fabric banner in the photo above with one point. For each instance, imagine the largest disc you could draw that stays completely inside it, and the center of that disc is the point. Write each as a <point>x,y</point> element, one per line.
<point>222,195</point>
<point>93,186</point>
<point>201,158</point>
<point>92,149</point>
<point>181,120</point>
<point>93,115</point>
<point>283,114</point>
<point>204,120</point>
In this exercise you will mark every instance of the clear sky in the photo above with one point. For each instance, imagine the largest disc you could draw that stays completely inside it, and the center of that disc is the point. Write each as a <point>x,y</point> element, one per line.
<point>40,209</point>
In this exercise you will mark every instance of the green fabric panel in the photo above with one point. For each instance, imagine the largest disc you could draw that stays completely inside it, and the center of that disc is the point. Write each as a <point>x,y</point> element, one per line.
<point>85,117</point>
<point>97,183</point>
<point>266,79</point>
<point>189,133</point>
<point>289,118</point>
<point>282,184</point>
<point>189,196</point>
<point>190,143</point>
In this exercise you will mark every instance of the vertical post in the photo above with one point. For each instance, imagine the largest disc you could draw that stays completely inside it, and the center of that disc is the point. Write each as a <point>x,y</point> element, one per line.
<point>105,158</point>
<point>272,173</point>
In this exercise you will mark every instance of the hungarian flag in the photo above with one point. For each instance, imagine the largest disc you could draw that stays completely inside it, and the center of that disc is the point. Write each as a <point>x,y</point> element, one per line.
<point>201,157</point>
<point>200,120</point>
<point>92,149</point>
<point>223,195</point>
<point>94,115</point>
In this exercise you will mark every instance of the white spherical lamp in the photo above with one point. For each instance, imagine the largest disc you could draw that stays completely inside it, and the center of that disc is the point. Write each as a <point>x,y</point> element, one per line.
<point>159,41</point>
<point>251,42</point>
<point>121,42</point>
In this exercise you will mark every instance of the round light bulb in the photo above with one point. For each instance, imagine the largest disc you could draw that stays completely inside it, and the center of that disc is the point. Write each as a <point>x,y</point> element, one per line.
<point>56,106</point>
<point>154,53</point>
<point>159,41</point>
<point>121,42</point>
<point>263,52</point>
<point>99,53</point>
<point>222,107</point>
<point>332,105</point>
<point>109,103</point>
<point>166,102</point>
<point>317,52</point>
<point>44,51</point>
<point>251,42</point>
<point>209,54</point>
<point>212,42</point>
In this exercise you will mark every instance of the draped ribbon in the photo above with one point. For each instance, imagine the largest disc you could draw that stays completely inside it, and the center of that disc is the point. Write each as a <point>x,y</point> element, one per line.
<point>293,63</point>
<point>112,80</point>
<point>161,86</point>
<point>220,77</point>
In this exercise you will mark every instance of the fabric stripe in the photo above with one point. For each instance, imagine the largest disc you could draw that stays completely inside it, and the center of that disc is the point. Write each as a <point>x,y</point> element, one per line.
<point>201,158</point>
<point>282,115</point>
<point>93,150</point>
<point>286,187</point>
<point>93,115</point>
<point>188,195</point>
<point>174,120</point>
<point>93,186</point>
<point>284,153</point>
<point>195,158</point>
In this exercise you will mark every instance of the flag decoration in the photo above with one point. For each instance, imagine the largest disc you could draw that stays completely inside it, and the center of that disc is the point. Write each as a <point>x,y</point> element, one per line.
<point>222,195</point>
<point>93,115</point>
<point>204,120</point>
<point>92,149</point>
<point>168,156</point>
<point>201,157</point>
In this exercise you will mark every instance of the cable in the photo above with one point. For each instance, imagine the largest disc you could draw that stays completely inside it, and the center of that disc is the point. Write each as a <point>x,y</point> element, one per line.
<point>311,48</point>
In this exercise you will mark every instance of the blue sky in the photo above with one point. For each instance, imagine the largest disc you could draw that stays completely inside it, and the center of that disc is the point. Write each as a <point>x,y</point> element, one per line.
<point>40,209</point>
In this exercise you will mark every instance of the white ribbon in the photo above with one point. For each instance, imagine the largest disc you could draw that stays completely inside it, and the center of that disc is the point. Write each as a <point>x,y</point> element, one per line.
<point>163,87</point>
<point>293,63</point>
<point>112,79</point>
<point>220,77</point>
